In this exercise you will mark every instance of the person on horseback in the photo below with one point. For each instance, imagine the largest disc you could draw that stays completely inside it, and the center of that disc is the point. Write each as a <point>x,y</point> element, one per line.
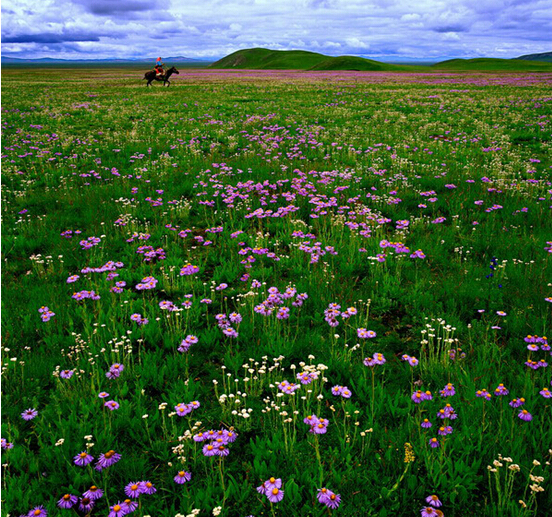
<point>159,68</point>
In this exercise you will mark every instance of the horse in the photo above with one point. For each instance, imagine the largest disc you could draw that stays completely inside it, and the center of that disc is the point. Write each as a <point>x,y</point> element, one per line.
<point>152,76</point>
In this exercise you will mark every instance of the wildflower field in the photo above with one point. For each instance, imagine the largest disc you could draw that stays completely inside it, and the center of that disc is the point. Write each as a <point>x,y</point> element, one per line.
<point>276,293</point>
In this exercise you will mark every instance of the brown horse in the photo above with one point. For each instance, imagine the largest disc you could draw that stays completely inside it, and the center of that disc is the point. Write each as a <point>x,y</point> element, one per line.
<point>152,76</point>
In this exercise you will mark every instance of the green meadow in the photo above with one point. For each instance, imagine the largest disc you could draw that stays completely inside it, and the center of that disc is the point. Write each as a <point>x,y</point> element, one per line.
<point>260,293</point>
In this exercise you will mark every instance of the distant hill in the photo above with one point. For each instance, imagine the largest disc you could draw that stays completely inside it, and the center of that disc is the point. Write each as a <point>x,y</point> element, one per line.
<point>150,60</point>
<point>485,64</point>
<point>545,56</point>
<point>364,65</point>
<point>266,59</point>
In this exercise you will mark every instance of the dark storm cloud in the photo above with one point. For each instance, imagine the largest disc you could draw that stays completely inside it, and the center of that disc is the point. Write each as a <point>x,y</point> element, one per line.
<point>121,7</point>
<point>49,38</point>
<point>451,28</point>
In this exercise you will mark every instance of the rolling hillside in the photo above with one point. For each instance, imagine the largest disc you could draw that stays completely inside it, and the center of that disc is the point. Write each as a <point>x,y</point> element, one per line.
<point>265,59</point>
<point>493,65</point>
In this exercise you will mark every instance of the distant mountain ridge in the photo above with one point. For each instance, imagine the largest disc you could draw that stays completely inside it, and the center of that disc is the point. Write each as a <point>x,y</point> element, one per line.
<point>544,56</point>
<point>46,60</point>
<point>266,59</point>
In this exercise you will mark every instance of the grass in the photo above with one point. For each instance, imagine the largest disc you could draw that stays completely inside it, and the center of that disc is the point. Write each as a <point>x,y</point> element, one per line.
<point>330,217</point>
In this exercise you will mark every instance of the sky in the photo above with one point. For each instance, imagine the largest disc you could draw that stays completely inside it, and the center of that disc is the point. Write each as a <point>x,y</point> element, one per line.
<point>386,30</point>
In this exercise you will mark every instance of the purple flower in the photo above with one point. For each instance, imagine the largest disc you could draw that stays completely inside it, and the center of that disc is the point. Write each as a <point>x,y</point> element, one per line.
<point>525,415</point>
<point>66,374</point>
<point>182,477</point>
<point>546,393</point>
<point>417,397</point>
<point>515,403</point>
<point>38,511</point>
<point>320,427</point>
<point>107,460</point>
<point>183,409</point>
<point>112,405</point>
<point>483,394</point>
<point>448,391</point>
<point>116,367</point>
<point>93,493</point>
<point>429,511</point>
<point>433,442</point>
<point>365,334</point>
<point>188,269</point>
<point>379,359</point>
<point>221,450</point>
<point>426,424</point>
<point>328,498</point>
<point>86,505</point>
<point>133,489</point>
<point>209,450</point>
<point>147,487</point>
<point>117,510</point>
<point>275,495</point>
<point>5,444</point>
<point>103,395</point>
<point>83,459</point>
<point>29,414</point>
<point>501,390</point>
<point>433,500</point>
<point>68,501</point>
<point>129,505</point>
<point>333,501</point>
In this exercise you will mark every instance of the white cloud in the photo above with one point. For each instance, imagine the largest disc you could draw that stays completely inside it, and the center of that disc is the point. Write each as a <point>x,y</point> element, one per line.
<point>200,28</point>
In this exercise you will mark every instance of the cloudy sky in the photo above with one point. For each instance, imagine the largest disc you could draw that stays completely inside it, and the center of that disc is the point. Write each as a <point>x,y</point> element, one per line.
<point>381,29</point>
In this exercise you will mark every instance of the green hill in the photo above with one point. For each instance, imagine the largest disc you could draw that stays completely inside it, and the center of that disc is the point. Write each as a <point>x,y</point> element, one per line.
<point>363,65</point>
<point>265,59</point>
<point>493,65</point>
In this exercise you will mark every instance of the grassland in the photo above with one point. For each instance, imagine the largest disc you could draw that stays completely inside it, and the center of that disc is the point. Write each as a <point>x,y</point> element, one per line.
<point>335,272</point>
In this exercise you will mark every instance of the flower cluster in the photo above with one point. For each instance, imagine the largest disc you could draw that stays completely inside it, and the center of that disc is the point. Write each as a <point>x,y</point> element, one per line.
<point>104,461</point>
<point>317,425</point>
<point>341,391</point>
<point>90,242</point>
<point>114,371</point>
<point>217,441</point>
<point>189,269</point>
<point>45,313</point>
<point>288,387</point>
<point>183,409</point>
<point>375,360</point>
<point>149,282</point>
<point>224,323</point>
<point>187,343</point>
<point>139,319</point>
<point>272,489</point>
<point>328,498</point>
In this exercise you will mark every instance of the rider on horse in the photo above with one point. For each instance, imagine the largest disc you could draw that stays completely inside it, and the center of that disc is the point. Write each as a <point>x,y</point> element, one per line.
<point>159,68</point>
